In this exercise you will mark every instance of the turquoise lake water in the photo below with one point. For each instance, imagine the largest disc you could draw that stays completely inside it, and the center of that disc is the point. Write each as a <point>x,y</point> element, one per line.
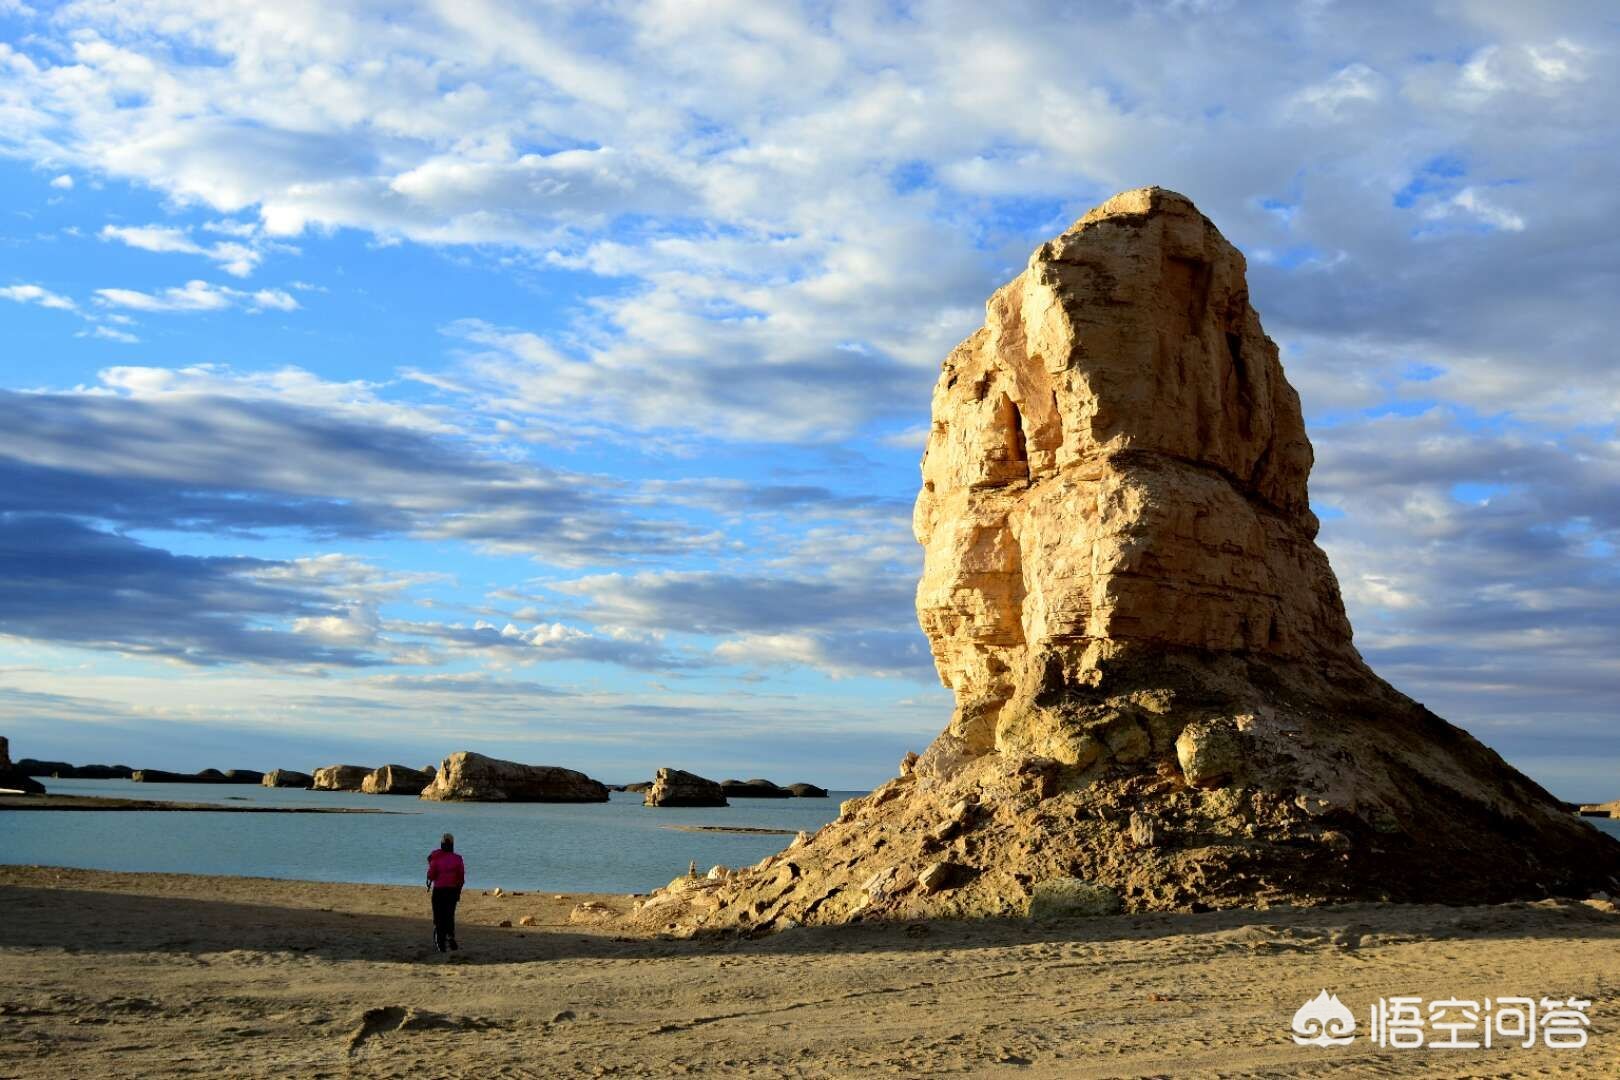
<point>617,846</point>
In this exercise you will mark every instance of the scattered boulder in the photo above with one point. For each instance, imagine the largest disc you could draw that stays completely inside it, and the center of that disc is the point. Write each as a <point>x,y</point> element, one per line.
<point>14,779</point>
<point>1210,752</point>
<point>1066,897</point>
<point>753,789</point>
<point>590,913</point>
<point>1121,583</point>
<point>340,778</point>
<point>806,791</point>
<point>395,780</point>
<point>676,787</point>
<point>937,877</point>
<point>465,776</point>
<point>287,778</point>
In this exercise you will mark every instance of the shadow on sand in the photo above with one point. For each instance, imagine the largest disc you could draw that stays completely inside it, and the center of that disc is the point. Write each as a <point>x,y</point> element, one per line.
<point>79,920</point>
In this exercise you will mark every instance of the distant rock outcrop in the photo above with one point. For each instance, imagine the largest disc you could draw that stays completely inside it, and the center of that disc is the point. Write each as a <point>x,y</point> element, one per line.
<point>287,778</point>
<point>163,776</point>
<point>63,771</point>
<point>676,787</point>
<point>14,778</point>
<point>35,767</point>
<point>395,780</point>
<point>101,772</point>
<point>243,776</point>
<point>468,777</point>
<point>754,789</point>
<point>1159,706</point>
<point>807,791</point>
<point>340,778</point>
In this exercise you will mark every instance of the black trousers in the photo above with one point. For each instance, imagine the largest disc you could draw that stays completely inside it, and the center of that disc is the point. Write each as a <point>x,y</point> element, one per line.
<point>444,914</point>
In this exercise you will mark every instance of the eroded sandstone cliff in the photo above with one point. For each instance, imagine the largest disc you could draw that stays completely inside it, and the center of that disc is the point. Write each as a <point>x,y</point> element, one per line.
<point>1158,701</point>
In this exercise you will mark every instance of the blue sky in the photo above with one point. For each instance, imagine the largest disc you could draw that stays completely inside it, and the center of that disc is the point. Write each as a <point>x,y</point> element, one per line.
<point>384,381</point>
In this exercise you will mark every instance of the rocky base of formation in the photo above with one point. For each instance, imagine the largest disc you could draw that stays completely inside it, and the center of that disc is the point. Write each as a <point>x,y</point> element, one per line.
<point>470,777</point>
<point>1186,789</point>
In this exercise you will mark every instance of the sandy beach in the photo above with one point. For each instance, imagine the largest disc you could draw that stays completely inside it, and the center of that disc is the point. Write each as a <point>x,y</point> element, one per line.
<point>166,975</point>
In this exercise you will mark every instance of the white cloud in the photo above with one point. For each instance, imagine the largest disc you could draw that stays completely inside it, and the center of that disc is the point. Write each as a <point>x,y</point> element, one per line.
<point>1470,202</point>
<point>36,294</point>
<point>108,333</point>
<point>196,296</point>
<point>63,182</point>
<point>236,259</point>
<point>1335,97</point>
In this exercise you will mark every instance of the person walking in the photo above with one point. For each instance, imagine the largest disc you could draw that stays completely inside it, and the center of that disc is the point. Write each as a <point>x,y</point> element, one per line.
<point>446,874</point>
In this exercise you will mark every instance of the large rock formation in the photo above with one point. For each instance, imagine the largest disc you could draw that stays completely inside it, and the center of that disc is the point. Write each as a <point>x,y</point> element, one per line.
<point>1158,702</point>
<point>395,780</point>
<point>466,776</point>
<point>14,779</point>
<point>340,778</point>
<point>287,778</point>
<point>676,787</point>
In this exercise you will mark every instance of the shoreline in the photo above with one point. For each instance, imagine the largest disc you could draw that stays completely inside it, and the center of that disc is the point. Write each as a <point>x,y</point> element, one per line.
<point>106,804</point>
<point>172,974</point>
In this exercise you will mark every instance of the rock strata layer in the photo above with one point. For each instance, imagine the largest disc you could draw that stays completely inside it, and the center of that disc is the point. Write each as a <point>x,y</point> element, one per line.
<point>1159,705</point>
<point>469,777</point>
<point>395,780</point>
<point>676,787</point>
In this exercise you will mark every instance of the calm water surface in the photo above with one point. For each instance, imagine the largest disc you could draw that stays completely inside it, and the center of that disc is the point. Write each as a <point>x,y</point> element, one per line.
<point>617,846</point>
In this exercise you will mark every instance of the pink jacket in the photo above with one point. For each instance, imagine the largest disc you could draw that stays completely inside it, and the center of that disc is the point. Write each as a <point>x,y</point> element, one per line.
<point>446,870</point>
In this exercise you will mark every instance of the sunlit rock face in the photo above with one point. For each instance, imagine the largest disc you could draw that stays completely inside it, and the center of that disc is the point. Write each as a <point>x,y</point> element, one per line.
<point>1116,460</point>
<point>1158,705</point>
